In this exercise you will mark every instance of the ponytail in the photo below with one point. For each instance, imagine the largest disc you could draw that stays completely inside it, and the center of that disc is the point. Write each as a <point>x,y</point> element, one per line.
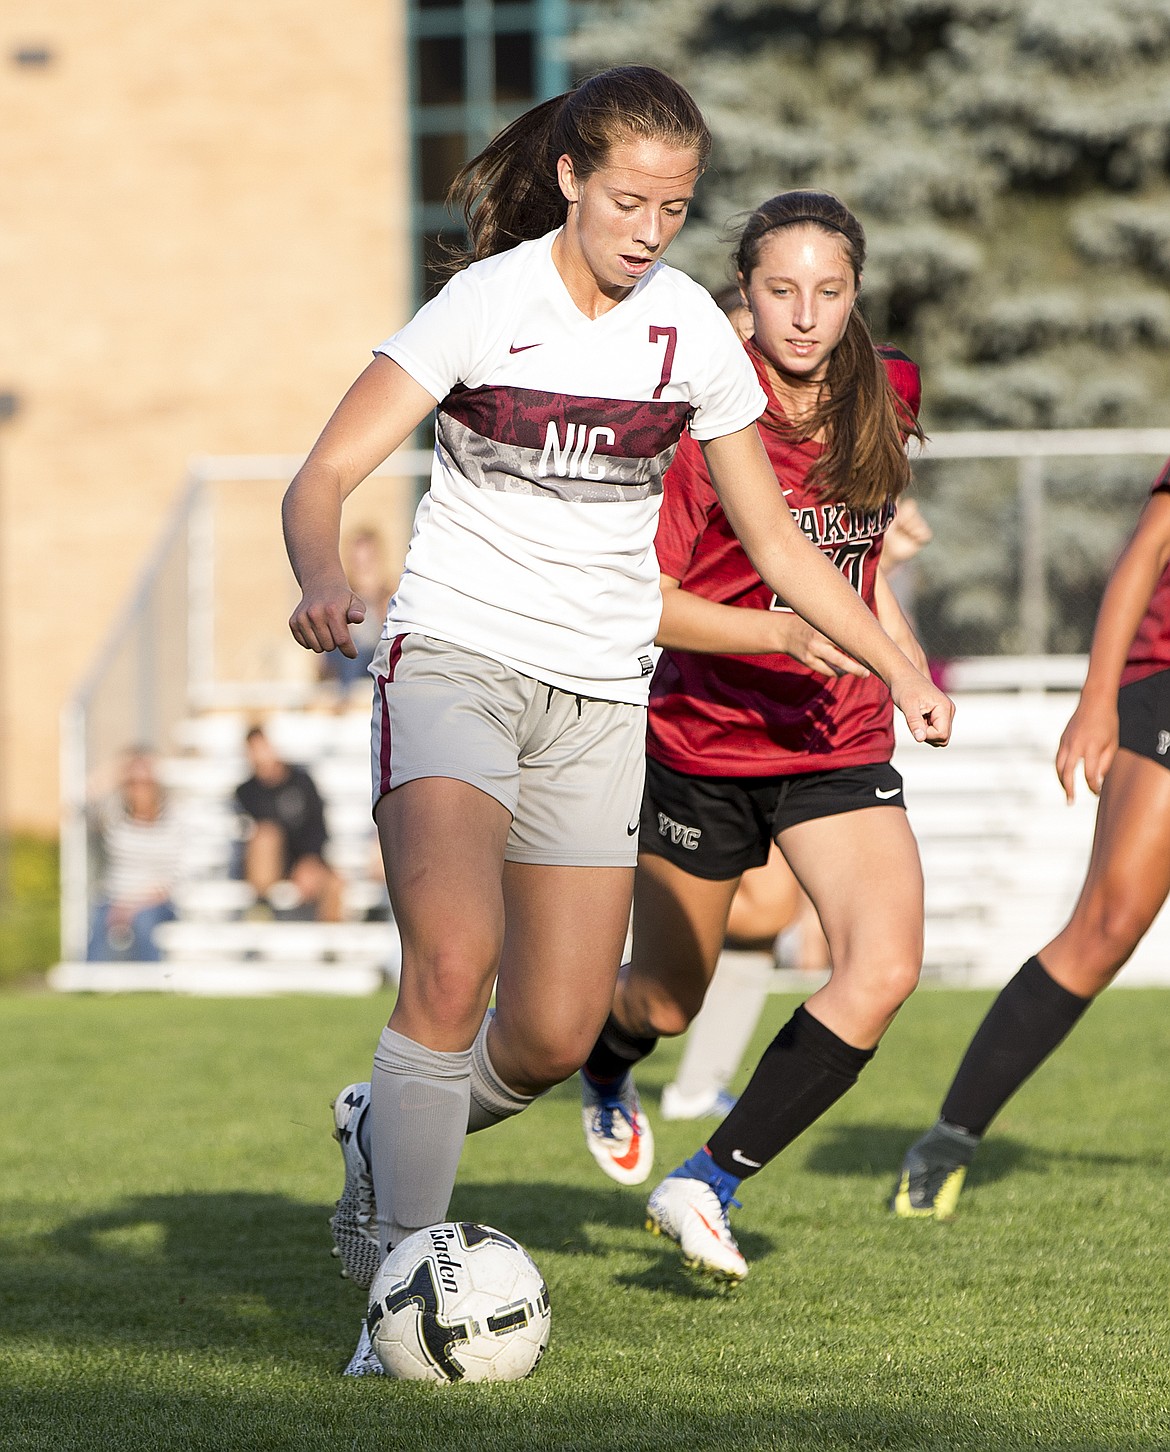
<point>509,193</point>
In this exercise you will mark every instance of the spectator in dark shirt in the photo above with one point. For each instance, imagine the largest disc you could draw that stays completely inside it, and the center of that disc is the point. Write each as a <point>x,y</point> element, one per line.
<point>288,835</point>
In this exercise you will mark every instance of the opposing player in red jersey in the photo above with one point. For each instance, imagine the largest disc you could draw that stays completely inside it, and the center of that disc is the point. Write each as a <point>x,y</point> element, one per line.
<point>761,730</point>
<point>1120,731</point>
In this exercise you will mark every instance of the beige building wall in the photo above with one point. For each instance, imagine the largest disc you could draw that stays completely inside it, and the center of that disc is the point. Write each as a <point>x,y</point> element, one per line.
<point>202,233</point>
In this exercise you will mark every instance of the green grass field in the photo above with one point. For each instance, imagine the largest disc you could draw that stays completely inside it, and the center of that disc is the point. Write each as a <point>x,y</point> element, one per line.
<point>166,1174</point>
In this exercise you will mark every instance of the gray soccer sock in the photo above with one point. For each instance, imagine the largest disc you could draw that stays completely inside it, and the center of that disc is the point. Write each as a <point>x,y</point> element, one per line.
<point>418,1113</point>
<point>492,1101</point>
<point>723,1027</point>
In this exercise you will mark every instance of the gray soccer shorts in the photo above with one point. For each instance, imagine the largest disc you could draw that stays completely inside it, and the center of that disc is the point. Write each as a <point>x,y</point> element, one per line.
<point>568,768</point>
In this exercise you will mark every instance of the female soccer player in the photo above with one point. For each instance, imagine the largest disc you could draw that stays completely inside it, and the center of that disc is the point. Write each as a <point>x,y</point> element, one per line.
<point>565,363</point>
<point>760,730</point>
<point>769,911</point>
<point>1120,731</point>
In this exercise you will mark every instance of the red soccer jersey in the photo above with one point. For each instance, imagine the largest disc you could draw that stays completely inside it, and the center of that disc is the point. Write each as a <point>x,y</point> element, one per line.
<point>1150,650</point>
<point>721,715</point>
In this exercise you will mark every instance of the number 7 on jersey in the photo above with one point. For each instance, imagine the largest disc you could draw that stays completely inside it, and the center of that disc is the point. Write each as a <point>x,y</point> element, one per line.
<point>670,337</point>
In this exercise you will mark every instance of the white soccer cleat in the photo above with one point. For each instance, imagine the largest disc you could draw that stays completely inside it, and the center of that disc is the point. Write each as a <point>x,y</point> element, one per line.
<point>354,1223</point>
<point>364,1361</point>
<point>617,1131</point>
<point>691,1213</point>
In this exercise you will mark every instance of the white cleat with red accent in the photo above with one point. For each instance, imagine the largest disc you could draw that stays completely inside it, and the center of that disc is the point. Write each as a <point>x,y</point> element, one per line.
<point>691,1213</point>
<point>617,1131</point>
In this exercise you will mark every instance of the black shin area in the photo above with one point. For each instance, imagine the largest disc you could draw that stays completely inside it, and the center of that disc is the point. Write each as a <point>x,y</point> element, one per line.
<point>616,1052</point>
<point>805,1069</point>
<point>1026,1022</point>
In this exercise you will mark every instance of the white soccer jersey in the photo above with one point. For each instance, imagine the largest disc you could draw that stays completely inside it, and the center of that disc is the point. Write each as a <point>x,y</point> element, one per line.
<point>535,543</point>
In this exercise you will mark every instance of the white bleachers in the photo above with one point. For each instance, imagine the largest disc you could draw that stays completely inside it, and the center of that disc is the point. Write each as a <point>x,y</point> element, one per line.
<point>214,948</point>
<point>1002,852</point>
<point>1003,856</point>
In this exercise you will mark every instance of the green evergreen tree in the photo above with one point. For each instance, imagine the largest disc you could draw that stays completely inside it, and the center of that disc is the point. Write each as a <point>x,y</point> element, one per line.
<point>1009,159</point>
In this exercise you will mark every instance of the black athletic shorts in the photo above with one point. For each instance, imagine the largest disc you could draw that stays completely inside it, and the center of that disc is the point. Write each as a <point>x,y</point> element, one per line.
<point>719,826</point>
<point>1144,712</point>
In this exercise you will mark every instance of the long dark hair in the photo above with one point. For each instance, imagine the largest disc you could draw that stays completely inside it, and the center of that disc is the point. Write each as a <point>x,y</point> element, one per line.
<point>509,193</point>
<point>865,423</point>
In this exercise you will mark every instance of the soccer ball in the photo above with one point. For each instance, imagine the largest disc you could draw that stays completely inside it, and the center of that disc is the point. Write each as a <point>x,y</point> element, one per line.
<point>458,1302</point>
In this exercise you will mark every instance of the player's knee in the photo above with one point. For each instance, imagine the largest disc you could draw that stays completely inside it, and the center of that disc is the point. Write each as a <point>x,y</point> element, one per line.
<point>900,981</point>
<point>1107,933</point>
<point>446,982</point>
<point>884,987</point>
<point>538,1064</point>
<point>660,1010</point>
<point>668,1013</point>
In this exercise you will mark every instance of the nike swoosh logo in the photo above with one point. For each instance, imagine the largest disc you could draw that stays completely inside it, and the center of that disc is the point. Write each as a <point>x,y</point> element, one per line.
<point>631,829</point>
<point>885,796</point>
<point>743,1160</point>
<point>524,347</point>
<point>630,1158</point>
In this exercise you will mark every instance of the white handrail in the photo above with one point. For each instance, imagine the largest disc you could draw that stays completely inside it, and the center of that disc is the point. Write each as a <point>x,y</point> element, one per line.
<point>191,520</point>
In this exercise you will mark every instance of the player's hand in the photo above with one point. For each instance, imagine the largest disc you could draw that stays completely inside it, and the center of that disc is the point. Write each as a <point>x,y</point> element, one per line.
<point>814,650</point>
<point>321,621</point>
<point>1090,737</point>
<point>928,711</point>
<point>908,533</point>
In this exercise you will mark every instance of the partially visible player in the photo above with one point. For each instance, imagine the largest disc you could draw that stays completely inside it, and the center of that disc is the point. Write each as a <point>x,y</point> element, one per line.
<point>1120,733</point>
<point>564,362</point>
<point>759,730</point>
<point>738,314</point>
<point>771,924</point>
<point>769,912</point>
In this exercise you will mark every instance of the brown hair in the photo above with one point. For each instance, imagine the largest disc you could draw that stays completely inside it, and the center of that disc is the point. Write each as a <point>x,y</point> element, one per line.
<point>509,193</point>
<point>865,422</point>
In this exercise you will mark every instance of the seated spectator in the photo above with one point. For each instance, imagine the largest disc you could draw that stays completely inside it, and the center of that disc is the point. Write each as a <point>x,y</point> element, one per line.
<point>141,847</point>
<point>288,834</point>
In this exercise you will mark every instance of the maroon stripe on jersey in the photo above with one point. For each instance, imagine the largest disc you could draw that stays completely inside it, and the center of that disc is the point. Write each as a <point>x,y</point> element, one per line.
<point>384,745</point>
<point>521,416</point>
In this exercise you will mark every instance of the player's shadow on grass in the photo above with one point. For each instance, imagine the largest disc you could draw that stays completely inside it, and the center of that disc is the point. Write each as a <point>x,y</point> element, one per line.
<point>250,1274</point>
<point>244,1272</point>
<point>877,1150</point>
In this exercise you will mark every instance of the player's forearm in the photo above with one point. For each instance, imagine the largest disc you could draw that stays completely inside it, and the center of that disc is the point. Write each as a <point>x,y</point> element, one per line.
<point>691,622</point>
<point>311,516</point>
<point>892,620</point>
<point>803,578</point>
<point>787,562</point>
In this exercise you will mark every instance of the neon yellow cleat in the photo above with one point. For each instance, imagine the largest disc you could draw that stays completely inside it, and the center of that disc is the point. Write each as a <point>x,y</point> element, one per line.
<point>933,1173</point>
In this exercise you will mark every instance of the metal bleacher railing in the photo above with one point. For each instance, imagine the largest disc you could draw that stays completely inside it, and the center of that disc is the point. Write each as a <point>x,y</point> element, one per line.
<point>203,636</point>
<point>202,631</point>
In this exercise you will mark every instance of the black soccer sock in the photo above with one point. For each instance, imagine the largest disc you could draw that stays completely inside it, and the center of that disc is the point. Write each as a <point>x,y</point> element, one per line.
<point>1031,1016</point>
<point>805,1069</point>
<point>616,1052</point>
